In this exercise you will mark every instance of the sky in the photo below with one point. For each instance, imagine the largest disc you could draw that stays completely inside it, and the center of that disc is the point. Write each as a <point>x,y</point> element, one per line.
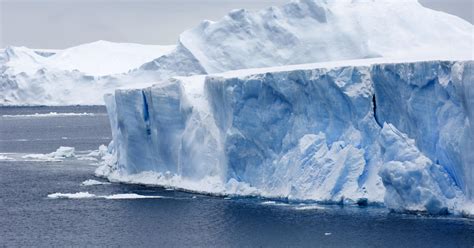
<point>65,23</point>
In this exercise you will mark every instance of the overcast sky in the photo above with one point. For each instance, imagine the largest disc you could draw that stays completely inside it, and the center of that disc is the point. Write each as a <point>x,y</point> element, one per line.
<point>66,23</point>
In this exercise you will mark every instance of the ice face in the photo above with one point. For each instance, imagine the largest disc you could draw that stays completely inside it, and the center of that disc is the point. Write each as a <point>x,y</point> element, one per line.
<point>319,133</point>
<point>434,107</point>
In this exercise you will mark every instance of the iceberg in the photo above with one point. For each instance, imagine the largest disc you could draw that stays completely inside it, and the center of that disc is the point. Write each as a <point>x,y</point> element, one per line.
<point>393,133</point>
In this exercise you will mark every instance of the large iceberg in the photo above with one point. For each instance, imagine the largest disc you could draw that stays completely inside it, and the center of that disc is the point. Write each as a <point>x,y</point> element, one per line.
<point>393,133</point>
<point>384,116</point>
<point>306,31</point>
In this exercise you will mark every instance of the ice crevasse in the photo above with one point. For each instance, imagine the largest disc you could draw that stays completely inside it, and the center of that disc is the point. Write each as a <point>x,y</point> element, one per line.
<point>394,133</point>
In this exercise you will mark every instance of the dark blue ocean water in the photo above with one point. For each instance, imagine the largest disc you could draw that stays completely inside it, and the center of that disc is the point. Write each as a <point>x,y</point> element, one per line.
<point>28,218</point>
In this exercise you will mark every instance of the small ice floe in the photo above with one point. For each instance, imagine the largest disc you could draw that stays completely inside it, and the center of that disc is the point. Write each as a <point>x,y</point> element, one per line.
<point>131,196</point>
<point>51,114</point>
<point>274,203</point>
<point>61,153</point>
<point>3,157</point>
<point>309,207</point>
<point>327,234</point>
<point>194,197</point>
<point>78,195</point>
<point>92,182</point>
<point>87,195</point>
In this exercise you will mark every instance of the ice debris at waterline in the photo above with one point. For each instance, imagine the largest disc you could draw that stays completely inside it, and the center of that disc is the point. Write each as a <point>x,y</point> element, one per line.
<point>92,182</point>
<point>60,154</point>
<point>401,134</point>
<point>305,31</point>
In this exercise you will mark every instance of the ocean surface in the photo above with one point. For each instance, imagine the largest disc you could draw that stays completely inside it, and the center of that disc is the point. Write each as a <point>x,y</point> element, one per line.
<point>29,218</point>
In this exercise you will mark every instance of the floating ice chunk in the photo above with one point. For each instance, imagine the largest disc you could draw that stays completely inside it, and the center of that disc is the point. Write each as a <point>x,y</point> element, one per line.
<point>63,152</point>
<point>52,114</point>
<point>87,195</point>
<point>3,157</point>
<point>60,154</point>
<point>309,207</point>
<point>131,196</point>
<point>79,195</point>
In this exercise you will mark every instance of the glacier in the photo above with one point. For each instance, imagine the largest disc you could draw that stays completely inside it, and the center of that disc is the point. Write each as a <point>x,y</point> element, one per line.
<point>305,31</point>
<point>399,134</point>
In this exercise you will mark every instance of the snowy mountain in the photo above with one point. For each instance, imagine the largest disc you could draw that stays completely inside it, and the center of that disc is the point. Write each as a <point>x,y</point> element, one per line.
<point>305,31</point>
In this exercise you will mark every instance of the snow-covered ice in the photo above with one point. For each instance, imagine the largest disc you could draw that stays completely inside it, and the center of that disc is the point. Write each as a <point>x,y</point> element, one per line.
<point>305,31</point>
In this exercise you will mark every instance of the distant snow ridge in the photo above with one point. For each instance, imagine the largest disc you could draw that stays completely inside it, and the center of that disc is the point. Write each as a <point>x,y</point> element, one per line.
<point>305,31</point>
<point>29,76</point>
<point>399,133</point>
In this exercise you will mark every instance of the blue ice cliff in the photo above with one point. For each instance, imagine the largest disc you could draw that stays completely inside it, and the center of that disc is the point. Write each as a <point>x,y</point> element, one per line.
<point>394,133</point>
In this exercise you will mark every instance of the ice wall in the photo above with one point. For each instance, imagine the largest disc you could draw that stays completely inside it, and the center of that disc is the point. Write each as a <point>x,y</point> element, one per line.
<point>393,133</point>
